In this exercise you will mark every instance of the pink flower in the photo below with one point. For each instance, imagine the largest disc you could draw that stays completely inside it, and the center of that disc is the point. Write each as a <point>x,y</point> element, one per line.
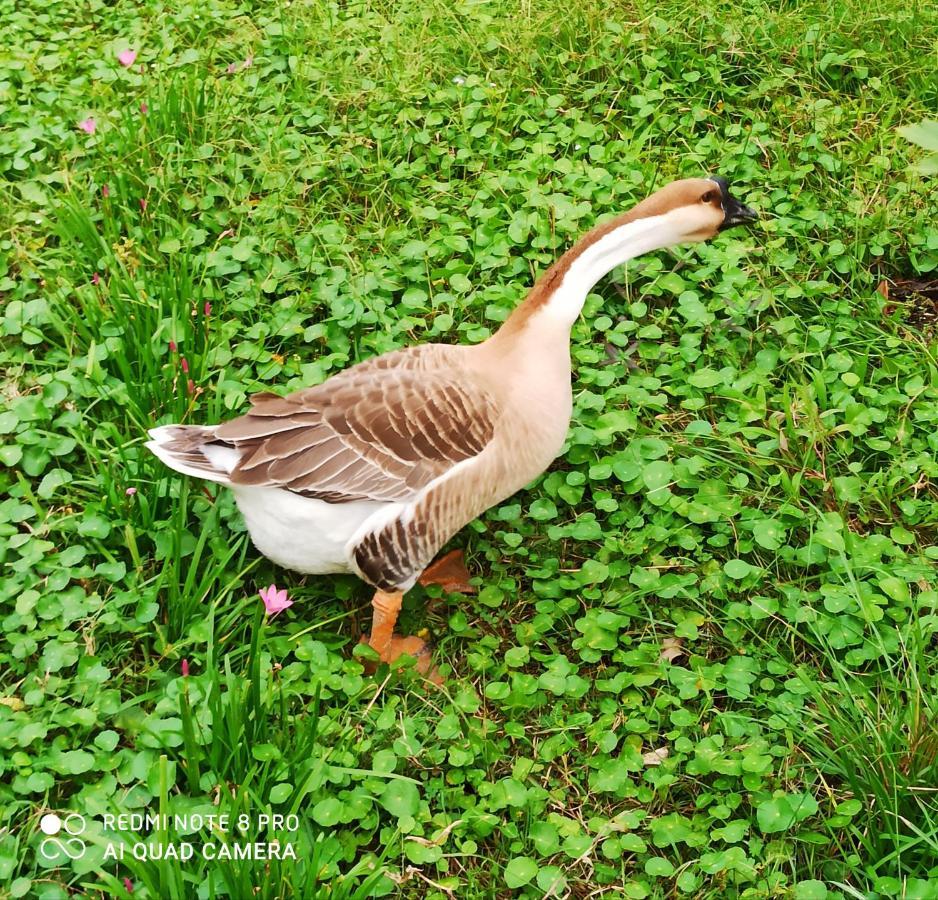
<point>95,278</point>
<point>128,886</point>
<point>207,309</point>
<point>144,109</point>
<point>190,386</point>
<point>127,57</point>
<point>185,365</point>
<point>105,191</point>
<point>130,491</point>
<point>237,67</point>
<point>172,346</point>
<point>275,601</point>
<point>185,668</point>
<point>143,203</point>
<point>88,125</point>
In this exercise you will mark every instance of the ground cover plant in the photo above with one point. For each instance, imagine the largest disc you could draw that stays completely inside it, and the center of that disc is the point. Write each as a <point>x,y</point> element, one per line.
<point>702,659</point>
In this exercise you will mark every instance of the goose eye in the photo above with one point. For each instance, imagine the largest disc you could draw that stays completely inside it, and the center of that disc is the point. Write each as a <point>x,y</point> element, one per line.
<point>709,197</point>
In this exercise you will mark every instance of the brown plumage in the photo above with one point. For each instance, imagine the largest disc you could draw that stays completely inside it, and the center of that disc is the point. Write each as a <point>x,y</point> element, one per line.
<point>378,431</point>
<point>375,469</point>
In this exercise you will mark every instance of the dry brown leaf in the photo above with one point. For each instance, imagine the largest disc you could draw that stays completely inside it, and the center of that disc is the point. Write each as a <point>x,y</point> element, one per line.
<point>439,839</point>
<point>450,573</point>
<point>656,757</point>
<point>671,649</point>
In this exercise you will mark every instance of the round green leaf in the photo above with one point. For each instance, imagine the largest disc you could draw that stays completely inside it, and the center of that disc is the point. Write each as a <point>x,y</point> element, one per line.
<point>400,798</point>
<point>265,752</point>
<point>775,815</point>
<point>327,812</point>
<point>737,569</point>
<point>520,871</point>
<point>659,866</point>
<point>280,793</point>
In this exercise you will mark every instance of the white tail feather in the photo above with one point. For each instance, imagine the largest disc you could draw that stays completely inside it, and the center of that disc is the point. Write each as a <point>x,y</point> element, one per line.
<point>180,448</point>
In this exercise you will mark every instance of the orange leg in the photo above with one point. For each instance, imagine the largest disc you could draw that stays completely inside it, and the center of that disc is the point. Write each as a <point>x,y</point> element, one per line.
<point>388,645</point>
<point>385,610</point>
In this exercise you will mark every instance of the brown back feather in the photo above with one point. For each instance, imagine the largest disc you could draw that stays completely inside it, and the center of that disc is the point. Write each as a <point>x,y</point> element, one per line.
<point>381,430</point>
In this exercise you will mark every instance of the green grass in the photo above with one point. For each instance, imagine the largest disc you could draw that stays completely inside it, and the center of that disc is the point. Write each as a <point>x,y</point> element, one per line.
<point>749,483</point>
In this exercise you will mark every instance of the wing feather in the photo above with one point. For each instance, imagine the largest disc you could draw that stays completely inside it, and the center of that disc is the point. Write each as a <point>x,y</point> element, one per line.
<point>381,430</point>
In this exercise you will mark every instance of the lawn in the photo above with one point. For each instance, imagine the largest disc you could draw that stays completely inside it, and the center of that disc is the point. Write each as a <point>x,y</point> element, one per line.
<point>702,660</point>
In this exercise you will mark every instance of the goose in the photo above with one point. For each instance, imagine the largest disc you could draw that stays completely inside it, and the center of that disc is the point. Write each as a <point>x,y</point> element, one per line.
<point>374,470</point>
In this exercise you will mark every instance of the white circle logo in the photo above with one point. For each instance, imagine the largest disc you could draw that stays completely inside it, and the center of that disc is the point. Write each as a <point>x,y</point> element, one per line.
<point>50,824</point>
<point>72,846</point>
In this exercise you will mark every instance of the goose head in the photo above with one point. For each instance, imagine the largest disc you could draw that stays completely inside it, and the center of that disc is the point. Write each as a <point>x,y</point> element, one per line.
<point>695,209</point>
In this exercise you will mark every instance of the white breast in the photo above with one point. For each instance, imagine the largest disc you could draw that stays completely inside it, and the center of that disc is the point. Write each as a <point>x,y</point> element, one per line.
<point>300,533</point>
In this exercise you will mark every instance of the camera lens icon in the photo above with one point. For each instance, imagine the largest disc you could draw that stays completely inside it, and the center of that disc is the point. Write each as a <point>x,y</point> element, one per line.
<point>72,846</point>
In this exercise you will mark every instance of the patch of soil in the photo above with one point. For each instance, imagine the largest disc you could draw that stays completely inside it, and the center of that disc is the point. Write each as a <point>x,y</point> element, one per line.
<point>915,300</point>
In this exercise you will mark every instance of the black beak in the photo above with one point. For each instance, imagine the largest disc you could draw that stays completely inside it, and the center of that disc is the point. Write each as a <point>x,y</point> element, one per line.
<point>734,212</point>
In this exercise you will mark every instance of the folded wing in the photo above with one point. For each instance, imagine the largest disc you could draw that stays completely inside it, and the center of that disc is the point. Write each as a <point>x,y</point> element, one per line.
<point>376,432</point>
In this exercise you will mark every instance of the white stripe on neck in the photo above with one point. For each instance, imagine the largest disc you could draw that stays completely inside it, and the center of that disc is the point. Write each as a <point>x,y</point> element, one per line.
<point>619,246</point>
